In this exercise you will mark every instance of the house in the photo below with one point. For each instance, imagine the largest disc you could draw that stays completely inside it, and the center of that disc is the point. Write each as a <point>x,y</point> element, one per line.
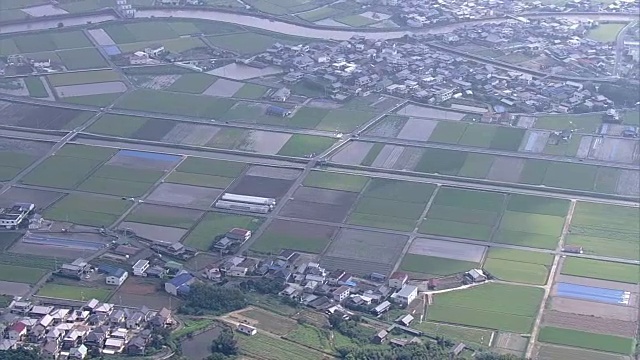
<point>117,277</point>
<point>382,308</point>
<point>16,331</point>
<point>162,319</point>
<point>456,350</point>
<point>79,352</point>
<point>380,337</point>
<point>40,311</point>
<point>135,320</point>
<point>113,346</point>
<point>54,335</point>
<point>237,271</point>
<point>444,95</point>
<point>50,350</point>
<point>72,339</point>
<point>21,307</point>
<point>287,255</point>
<point>334,276</point>
<point>406,295</point>
<point>91,305</point>
<point>475,275</point>
<point>247,329</point>
<point>398,279</point>
<point>104,309</point>
<point>179,284</point>
<point>97,319</point>
<point>405,320</point>
<point>37,333</point>
<point>281,95</point>
<point>117,317</point>
<point>238,234</point>
<point>95,339</point>
<point>278,111</point>
<point>137,346</point>
<point>140,267</point>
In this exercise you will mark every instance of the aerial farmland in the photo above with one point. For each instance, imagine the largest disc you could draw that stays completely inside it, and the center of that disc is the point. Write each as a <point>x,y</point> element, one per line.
<point>211,157</point>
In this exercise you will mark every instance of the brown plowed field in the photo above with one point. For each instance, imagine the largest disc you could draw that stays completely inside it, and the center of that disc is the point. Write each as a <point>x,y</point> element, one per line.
<point>590,323</point>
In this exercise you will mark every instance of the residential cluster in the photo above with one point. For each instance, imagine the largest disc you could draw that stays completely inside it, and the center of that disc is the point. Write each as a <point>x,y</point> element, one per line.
<point>78,332</point>
<point>416,70</point>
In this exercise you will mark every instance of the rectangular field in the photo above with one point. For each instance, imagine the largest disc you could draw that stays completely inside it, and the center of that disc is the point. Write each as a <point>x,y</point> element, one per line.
<point>518,265</point>
<point>494,306</point>
<point>300,145</point>
<point>335,181</point>
<point>582,339</point>
<point>91,210</point>
<point>69,292</point>
<point>604,270</point>
<point>432,265</point>
<point>21,274</point>
<point>202,236</point>
<point>265,347</point>
<point>281,234</point>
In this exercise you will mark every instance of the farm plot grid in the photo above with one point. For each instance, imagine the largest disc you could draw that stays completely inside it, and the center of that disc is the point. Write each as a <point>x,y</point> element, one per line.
<point>532,221</point>
<point>604,270</point>
<point>206,172</point>
<point>606,230</point>
<point>463,213</point>
<point>518,266</point>
<point>492,306</point>
<point>297,236</point>
<point>437,257</point>
<point>41,117</point>
<point>583,339</point>
<point>391,204</point>
<point>90,210</point>
<point>161,216</point>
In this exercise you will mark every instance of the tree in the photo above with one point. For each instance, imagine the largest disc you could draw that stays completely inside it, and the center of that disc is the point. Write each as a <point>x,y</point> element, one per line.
<point>213,299</point>
<point>225,344</point>
<point>20,354</point>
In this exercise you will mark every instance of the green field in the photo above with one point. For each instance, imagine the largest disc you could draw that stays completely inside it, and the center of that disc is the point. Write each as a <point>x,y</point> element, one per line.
<point>356,20</point>
<point>273,240</point>
<point>251,91</point>
<point>607,230</point>
<point>81,59</point>
<point>90,210</point>
<point>586,340</point>
<point>603,270</point>
<point>243,43</point>
<point>101,100</point>
<point>303,145</point>
<point>553,174</point>
<point>372,154</point>
<point>121,181</point>
<point>21,274</point>
<point>117,125</point>
<point>84,77</point>
<point>448,132</point>
<point>564,148</point>
<point>312,337</point>
<point>202,236</point>
<point>530,229</point>
<point>159,215</point>
<point>35,87</point>
<point>265,347</point>
<point>493,306</point>
<point>463,213</point>
<point>12,163</point>
<point>195,83</point>
<point>68,167</point>
<point>476,166</point>
<point>432,265</point>
<point>7,239</point>
<point>80,293</point>
<point>518,265</point>
<point>206,172</point>
<point>175,103</point>
<point>50,41</point>
<point>335,181</point>
<point>460,333</point>
<point>605,32</point>
<point>344,121</point>
<point>586,122</point>
<point>318,14</point>
<point>441,161</point>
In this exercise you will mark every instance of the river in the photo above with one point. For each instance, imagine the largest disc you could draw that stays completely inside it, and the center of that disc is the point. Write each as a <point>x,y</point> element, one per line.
<point>283,27</point>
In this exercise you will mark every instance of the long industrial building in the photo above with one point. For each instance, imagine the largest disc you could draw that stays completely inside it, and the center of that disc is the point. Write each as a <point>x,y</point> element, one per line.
<point>230,205</point>
<point>249,199</point>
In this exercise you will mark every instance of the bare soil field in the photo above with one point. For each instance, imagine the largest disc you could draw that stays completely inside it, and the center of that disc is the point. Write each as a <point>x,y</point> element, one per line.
<point>319,204</point>
<point>447,249</point>
<point>629,183</point>
<point>154,129</point>
<point>191,134</point>
<point>506,169</point>
<point>156,233</point>
<point>589,308</point>
<point>53,251</point>
<point>634,288</point>
<point>186,195</point>
<point>33,116</point>
<point>388,156</point>
<point>417,129</point>
<point>19,88</point>
<point>13,288</point>
<point>273,172</point>
<point>353,153</point>
<point>363,252</point>
<point>389,127</point>
<point>431,113</point>
<point>264,142</point>
<point>409,158</point>
<point>223,88</point>
<point>243,72</point>
<point>261,186</point>
<point>535,141</point>
<point>41,198</point>
<point>35,148</point>
<point>110,87</point>
<point>44,10</point>
<point>302,230</point>
<point>136,162</point>
<point>511,342</point>
<point>552,352</point>
<point>590,323</point>
<point>615,149</point>
<point>324,104</point>
<point>268,321</point>
<point>526,121</point>
<point>138,292</point>
<point>159,82</point>
<point>612,129</point>
<point>167,211</point>
<point>101,37</point>
<point>584,147</point>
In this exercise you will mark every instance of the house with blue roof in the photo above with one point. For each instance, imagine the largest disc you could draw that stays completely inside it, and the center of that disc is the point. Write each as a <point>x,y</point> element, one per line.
<point>179,285</point>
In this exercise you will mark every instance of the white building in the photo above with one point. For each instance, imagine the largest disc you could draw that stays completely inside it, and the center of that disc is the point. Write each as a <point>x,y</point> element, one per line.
<point>247,329</point>
<point>398,279</point>
<point>140,267</point>
<point>406,295</point>
<point>117,277</point>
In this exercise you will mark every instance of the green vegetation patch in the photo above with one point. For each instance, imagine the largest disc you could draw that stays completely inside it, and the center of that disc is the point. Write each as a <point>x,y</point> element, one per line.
<point>243,43</point>
<point>117,125</point>
<point>307,117</point>
<point>213,224</point>
<point>571,176</point>
<point>478,135</point>
<point>533,171</point>
<point>344,121</point>
<point>372,154</point>
<point>21,274</point>
<point>356,20</point>
<point>85,77</point>
<point>300,145</point>
<point>265,347</point>
<point>607,180</point>
<point>564,148</point>
<point>212,181</point>
<point>471,199</point>
<point>532,223</point>
<point>7,239</point>
<point>177,219</point>
<point>50,41</point>
<point>538,205</point>
<point>476,166</point>
<point>61,172</point>
<point>69,292</point>
<point>335,181</point>
<point>441,161</point>
<point>399,190</point>
<point>318,14</point>
<point>586,122</point>
<point>522,238</point>
<point>433,265</point>
<point>251,91</point>
<point>101,100</point>
<point>605,32</point>
<point>518,272</point>
<point>12,163</point>
<point>587,340</point>
<point>175,103</point>
<point>448,132</point>
<point>35,86</point>
<point>493,306</point>
<point>81,59</point>
<point>604,270</point>
<point>90,210</point>
<point>121,181</point>
<point>193,83</point>
<point>312,337</point>
<point>507,138</point>
<point>271,242</point>
<point>460,333</point>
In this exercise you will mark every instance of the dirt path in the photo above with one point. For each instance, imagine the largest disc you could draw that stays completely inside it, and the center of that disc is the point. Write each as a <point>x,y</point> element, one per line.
<point>547,287</point>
